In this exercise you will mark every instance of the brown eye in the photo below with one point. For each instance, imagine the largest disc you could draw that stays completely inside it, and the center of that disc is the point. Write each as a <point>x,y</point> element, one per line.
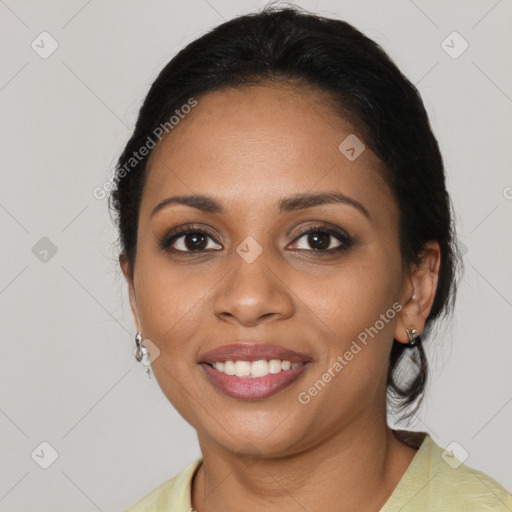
<point>319,240</point>
<point>323,240</point>
<point>195,241</point>
<point>190,240</point>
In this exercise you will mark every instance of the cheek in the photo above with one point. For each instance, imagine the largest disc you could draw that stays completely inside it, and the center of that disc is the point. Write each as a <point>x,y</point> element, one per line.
<point>345,299</point>
<point>353,311</point>
<point>352,308</point>
<point>172,301</point>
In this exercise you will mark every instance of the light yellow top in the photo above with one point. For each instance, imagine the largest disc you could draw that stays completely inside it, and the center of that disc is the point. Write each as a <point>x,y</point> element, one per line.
<point>433,482</point>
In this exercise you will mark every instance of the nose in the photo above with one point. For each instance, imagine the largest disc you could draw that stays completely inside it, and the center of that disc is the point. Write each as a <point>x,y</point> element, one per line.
<point>253,293</point>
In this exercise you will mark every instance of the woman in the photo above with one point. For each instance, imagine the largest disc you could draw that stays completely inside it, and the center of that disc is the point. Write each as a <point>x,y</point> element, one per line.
<point>288,242</point>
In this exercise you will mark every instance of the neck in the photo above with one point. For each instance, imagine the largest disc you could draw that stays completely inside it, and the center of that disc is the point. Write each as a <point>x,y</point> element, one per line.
<point>356,469</point>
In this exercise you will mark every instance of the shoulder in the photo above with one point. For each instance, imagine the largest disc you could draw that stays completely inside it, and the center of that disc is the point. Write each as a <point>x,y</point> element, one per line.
<point>464,486</point>
<point>438,480</point>
<point>173,494</point>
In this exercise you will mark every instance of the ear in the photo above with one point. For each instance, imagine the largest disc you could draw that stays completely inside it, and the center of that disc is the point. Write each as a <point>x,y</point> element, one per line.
<point>125,267</point>
<point>419,292</point>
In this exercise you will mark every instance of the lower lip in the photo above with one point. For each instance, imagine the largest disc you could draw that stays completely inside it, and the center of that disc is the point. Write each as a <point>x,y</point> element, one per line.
<point>247,388</point>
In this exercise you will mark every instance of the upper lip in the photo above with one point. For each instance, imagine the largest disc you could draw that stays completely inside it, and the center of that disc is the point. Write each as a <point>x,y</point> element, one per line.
<point>252,351</point>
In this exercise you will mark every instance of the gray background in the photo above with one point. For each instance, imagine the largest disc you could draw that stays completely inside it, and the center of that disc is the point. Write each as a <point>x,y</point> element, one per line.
<point>68,376</point>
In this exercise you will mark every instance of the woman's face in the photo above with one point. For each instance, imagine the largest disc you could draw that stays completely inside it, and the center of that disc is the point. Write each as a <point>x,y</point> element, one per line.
<point>250,151</point>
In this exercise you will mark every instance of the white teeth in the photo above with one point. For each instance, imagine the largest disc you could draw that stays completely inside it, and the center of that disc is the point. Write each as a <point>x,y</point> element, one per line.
<point>242,368</point>
<point>275,365</point>
<point>229,368</point>
<point>260,368</point>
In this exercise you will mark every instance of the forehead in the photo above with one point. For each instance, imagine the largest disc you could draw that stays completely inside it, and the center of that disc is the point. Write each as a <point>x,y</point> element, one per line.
<point>258,143</point>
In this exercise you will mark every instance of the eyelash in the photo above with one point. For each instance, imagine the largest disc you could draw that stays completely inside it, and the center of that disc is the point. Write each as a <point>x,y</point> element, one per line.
<point>346,241</point>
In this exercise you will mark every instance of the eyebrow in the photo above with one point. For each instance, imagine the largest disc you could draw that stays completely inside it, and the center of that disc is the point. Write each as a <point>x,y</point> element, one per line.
<point>296,202</point>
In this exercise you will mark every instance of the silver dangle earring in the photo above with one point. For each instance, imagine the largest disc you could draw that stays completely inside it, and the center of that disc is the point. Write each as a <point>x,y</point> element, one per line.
<point>141,354</point>
<point>413,336</point>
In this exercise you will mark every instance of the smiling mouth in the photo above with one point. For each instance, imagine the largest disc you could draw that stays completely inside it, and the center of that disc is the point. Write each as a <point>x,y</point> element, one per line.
<point>254,369</point>
<point>245,385</point>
